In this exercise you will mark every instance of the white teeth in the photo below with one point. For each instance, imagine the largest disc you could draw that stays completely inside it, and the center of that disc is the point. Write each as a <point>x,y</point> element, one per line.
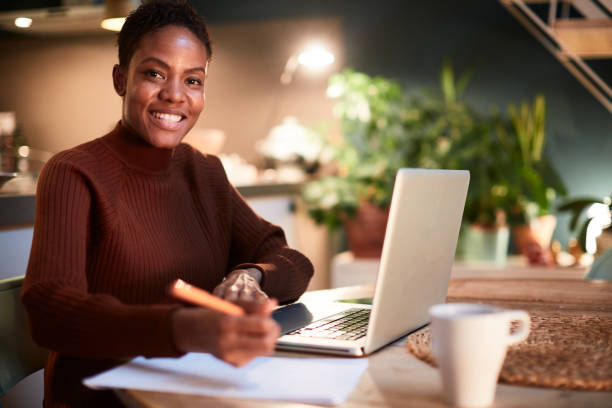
<point>167,116</point>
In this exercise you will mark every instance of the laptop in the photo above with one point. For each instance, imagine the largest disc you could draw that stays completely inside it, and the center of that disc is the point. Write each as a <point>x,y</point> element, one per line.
<point>414,272</point>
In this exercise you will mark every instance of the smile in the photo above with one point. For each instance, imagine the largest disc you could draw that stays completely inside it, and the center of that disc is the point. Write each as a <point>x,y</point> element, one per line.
<point>168,117</point>
<point>168,121</point>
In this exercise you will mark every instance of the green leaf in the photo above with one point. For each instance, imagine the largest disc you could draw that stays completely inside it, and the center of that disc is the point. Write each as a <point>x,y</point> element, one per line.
<point>576,207</point>
<point>578,204</point>
<point>539,123</point>
<point>583,233</point>
<point>463,81</point>
<point>447,82</point>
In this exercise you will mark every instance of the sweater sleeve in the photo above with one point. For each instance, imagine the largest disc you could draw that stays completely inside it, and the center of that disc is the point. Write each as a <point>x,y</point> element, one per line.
<point>262,245</point>
<point>63,315</point>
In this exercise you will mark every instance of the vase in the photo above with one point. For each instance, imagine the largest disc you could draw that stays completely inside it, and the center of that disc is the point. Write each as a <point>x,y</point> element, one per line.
<point>483,244</point>
<point>533,239</point>
<point>365,233</point>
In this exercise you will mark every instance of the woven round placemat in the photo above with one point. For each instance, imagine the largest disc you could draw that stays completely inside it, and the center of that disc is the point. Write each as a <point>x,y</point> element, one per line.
<point>568,350</point>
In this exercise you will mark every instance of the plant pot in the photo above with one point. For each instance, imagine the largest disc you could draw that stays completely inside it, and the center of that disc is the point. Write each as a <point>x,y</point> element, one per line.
<point>365,233</point>
<point>533,240</point>
<point>483,244</point>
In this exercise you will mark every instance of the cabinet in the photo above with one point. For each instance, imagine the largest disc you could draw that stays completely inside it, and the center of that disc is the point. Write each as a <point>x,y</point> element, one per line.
<point>277,203</point>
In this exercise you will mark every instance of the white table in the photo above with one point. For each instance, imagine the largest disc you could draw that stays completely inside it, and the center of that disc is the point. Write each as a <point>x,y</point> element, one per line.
<point>395,378</point>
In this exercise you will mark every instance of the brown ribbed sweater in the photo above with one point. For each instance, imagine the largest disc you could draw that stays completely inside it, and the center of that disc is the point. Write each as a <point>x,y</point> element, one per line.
<point>116,221</point>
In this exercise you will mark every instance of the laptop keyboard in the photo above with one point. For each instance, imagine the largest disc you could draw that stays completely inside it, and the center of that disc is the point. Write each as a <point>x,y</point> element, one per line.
<point>351,324</point>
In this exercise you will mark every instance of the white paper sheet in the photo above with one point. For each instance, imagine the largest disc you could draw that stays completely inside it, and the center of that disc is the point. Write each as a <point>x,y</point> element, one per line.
<point>323,381</point>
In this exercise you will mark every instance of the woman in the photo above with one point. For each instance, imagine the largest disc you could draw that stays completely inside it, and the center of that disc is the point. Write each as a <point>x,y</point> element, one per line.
<point>122,216</point>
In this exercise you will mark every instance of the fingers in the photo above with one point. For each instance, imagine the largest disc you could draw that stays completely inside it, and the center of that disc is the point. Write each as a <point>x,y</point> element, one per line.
<point>249,350</point>
<point>235,339</point>
<point>240,286</point>
<point>264,308</point>
<point>243,338</point>
<point>250,294</point>
<point>232,292</point>
<point>219,291</point>
<point>252,325</point>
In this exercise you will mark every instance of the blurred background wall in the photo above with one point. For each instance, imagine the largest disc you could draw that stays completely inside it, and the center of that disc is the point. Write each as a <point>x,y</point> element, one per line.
<point>408,40</point>
<point>62,92</point>
<point>61,86</point>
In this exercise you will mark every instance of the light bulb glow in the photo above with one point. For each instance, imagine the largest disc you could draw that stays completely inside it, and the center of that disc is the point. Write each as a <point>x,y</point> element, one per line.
<point>600,219</point>
<point>23,22</point>
<point>23,151</point>
<point>113,24</point>
<point>316,57</point>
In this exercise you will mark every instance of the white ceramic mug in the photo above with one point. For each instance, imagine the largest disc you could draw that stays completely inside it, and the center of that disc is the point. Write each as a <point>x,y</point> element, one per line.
<point>469,344</point>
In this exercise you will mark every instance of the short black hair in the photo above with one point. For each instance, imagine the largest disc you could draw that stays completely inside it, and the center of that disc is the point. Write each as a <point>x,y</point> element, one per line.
<point>153,15</point>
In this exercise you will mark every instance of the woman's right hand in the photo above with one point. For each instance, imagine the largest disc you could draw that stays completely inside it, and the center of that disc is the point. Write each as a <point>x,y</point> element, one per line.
<point>234,339</point>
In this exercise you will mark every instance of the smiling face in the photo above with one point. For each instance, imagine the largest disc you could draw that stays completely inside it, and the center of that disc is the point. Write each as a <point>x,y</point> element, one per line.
<point>163,85</point>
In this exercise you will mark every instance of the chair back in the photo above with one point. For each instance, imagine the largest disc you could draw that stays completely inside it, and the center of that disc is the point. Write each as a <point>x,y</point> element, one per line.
<point>19,355</point>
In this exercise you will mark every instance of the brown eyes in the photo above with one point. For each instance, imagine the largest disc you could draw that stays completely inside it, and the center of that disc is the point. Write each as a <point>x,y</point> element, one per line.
<point>154,74</point>
<point>192,81</point>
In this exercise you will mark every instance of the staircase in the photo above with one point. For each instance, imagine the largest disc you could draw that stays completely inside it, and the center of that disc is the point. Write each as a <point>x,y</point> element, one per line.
<point>575,32</point>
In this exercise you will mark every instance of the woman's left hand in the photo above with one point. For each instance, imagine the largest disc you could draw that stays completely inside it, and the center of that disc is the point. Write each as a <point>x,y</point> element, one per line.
<point>241,285</point>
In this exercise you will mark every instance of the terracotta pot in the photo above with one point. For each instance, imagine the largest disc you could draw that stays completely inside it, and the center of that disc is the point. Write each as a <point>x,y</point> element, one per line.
<point>533,240</point>
<point>366,232</point>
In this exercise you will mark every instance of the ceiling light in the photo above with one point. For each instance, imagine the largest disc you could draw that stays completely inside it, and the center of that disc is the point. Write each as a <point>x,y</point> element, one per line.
<point>113,24</point>
<point>314,57</point>
<point>23,22</point>
<point>115,12</point>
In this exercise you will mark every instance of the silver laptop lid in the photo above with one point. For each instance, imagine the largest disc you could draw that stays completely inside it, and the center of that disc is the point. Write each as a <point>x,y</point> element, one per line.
<point>418,251</point>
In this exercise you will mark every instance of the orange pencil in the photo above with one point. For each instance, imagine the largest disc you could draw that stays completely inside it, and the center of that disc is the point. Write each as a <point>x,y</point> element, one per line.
<point>184,291</point>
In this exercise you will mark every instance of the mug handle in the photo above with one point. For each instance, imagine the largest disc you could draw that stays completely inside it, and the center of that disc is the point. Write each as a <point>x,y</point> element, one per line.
<point>523,330</point>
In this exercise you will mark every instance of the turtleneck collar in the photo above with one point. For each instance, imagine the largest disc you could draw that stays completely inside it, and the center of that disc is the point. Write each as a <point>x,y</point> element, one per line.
<point>137,153</point>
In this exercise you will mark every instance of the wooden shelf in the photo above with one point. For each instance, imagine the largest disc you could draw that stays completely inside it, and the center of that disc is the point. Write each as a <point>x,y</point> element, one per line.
<point>585,38</point>
<point>572,41</point>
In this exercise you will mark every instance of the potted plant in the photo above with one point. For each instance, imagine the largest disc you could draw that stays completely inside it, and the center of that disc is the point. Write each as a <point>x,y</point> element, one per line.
<point>532,182</point>
<point>455,136</point>
<point>385,129</point>
<point>484,234</point>
<point>374,145</point>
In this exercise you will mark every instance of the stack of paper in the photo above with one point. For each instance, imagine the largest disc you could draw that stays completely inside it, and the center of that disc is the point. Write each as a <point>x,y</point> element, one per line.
<point>323,381</point>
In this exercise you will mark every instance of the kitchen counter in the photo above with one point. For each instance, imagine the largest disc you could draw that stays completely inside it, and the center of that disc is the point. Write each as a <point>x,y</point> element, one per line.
<point>276,202</point>
<point>17,209</point>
